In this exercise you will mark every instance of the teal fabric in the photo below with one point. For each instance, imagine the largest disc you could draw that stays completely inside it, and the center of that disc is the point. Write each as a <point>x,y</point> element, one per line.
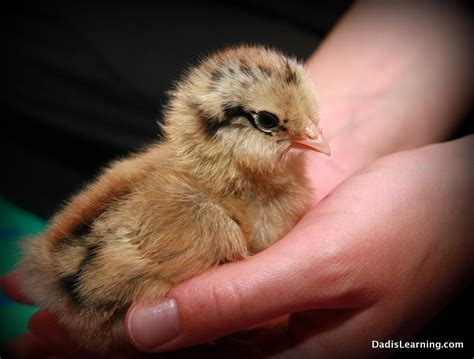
<point>15,224</point>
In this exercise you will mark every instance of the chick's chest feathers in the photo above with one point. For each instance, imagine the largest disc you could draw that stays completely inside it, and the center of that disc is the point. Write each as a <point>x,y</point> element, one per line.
<point>264,206</point>
<point>264,202</point>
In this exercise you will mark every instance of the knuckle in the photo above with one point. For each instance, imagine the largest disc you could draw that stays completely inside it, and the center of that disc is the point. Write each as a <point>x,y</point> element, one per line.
<point>227,301</point>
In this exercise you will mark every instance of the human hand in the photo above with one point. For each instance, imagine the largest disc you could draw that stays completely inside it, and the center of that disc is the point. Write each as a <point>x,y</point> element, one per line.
<point>375,260</point>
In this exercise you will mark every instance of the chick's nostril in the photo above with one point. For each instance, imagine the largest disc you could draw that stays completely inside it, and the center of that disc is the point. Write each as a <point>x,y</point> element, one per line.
<point>311,130</point>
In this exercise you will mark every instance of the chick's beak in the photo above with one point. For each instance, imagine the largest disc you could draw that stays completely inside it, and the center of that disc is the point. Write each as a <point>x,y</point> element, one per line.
<point>312,140</point>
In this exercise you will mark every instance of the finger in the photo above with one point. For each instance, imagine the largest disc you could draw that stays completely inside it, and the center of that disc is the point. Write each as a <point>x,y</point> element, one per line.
<point>11,285</point>
<point>28,346</point>
<point>44,325</point>
<point>238,295</point>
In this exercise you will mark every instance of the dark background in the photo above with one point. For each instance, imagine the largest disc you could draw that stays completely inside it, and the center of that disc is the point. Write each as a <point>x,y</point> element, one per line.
<point>86,82</point>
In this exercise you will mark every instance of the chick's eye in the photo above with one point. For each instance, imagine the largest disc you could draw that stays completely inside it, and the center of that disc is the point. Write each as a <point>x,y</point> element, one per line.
<point>267,122</point>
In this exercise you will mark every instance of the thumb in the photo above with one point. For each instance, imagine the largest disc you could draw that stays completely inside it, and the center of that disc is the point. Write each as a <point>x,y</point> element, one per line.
<point>293,275</point>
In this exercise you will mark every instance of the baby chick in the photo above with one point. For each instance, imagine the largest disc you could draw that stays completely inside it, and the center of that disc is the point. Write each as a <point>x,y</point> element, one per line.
<point>226,182</point>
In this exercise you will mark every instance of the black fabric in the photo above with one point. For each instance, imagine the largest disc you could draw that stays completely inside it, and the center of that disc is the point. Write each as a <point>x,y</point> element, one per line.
<point>86,80</point>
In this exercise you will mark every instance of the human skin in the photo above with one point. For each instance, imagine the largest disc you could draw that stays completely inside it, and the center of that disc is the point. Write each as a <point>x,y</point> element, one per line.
<point>364,263</point>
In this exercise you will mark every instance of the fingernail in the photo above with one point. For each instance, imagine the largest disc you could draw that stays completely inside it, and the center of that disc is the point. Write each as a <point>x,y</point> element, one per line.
<point>152,325</point>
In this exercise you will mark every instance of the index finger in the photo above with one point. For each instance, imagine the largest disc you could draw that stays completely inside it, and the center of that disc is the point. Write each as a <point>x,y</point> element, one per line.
<point>11,284</point>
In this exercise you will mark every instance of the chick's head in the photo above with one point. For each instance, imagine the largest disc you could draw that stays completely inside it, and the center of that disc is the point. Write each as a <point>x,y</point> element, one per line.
<point>250,103</point>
